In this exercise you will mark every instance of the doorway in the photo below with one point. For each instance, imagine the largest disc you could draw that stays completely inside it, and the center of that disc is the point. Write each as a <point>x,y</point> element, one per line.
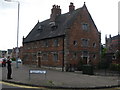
<point>85,60</point>
<point>39,61</point>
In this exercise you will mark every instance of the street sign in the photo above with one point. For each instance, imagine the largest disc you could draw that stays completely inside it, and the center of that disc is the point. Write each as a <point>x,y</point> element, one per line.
<point>37,71</point>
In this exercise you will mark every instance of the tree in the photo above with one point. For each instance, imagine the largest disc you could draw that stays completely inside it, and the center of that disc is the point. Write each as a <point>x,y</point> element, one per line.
<point>103,52</point>
<point>103,63</point>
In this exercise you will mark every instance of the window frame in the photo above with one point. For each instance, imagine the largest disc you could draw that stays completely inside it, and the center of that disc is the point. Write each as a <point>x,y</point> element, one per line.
<point>75,55</point>
<point>94,56</point>
<point>75,43</point>
<point>45,43</point>
<point>85,26</point>
<point>85,42</point>
<point>56,42</point>
<point>44,56</point>
<point>94,44</point>
<point>55,56</point>
<point>84,54</point>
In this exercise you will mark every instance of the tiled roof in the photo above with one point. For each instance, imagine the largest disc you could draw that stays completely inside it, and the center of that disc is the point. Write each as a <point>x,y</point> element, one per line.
<point>114,37</point>
<point>43,30</point>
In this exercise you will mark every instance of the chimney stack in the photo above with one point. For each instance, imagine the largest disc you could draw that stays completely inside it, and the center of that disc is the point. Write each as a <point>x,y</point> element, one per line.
<point>110,36</point>
<point>71,7</point>
<point>106,39</point>
<point>55,11</point>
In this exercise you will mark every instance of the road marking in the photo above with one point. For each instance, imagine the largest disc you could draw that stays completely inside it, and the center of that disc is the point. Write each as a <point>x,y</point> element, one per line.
<point>118,88</point>
<point>20,86</point>
<point>43,88</point>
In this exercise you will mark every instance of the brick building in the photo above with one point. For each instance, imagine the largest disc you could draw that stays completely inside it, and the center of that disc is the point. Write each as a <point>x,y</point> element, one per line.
<point>112,43</point>
<point>14,52</point>
<point>112,46</point>
<point>3,53</point>
<point>19,52</point>
<point>64,39</point>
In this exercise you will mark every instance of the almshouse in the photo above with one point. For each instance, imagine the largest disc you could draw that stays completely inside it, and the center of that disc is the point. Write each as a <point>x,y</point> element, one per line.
<point>63,40</point>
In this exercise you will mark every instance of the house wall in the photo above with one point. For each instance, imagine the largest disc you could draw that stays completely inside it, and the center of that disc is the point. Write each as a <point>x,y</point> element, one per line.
<point>113,44</point>
<point>71,44</point>
<point>76,34</point>
<point>36,49</point>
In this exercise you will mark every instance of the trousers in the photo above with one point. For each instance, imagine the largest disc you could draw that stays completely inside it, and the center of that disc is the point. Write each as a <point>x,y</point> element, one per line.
<point>9,72</point>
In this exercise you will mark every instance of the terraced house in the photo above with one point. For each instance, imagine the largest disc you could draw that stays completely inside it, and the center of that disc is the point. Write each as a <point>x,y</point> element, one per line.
<point>63,40</point>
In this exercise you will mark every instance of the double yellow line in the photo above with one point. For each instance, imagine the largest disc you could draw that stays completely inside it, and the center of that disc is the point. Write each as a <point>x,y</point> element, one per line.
<point>21,86</point>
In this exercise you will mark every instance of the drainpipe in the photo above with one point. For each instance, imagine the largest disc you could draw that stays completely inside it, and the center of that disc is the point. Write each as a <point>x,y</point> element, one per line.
<point>63,55</point>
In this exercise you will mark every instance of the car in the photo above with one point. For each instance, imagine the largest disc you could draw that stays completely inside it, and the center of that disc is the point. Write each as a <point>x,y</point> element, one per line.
<point>19,60</point>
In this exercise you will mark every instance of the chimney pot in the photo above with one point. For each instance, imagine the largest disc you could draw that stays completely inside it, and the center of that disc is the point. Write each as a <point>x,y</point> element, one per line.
<point>55,11</point>
<point>59,7</point>
<point>71,3</point>
<point>54,6</point>
<point>71,7</point>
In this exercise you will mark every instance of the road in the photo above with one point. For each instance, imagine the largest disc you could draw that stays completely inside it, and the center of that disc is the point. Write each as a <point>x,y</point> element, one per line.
<point>11,86</point>
<point>6,85</point>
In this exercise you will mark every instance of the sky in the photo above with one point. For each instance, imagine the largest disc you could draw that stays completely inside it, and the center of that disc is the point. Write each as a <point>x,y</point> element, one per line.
<point>103,12</point>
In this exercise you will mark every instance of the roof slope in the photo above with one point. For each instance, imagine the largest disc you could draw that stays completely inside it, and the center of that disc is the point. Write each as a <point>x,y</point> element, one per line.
<point>43,30</point>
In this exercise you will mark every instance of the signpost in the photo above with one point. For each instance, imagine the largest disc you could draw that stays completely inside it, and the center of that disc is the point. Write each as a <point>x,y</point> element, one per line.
<point>37,71</point>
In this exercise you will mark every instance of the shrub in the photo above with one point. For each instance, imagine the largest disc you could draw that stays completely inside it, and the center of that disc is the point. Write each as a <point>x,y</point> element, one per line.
<point>13,59</point>
<point>80,65</point>
<point>115,67</point>
<point>103,64</point>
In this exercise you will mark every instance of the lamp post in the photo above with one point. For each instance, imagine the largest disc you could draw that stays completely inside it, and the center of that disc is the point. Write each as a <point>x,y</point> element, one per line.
<point>17,50</point>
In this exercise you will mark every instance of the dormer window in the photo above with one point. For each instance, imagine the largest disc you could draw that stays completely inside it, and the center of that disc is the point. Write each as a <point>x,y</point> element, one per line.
<point>40,28</point>
<point>53,25</point>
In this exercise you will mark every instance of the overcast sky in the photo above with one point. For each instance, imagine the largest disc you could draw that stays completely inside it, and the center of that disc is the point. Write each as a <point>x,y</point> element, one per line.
<point>103,12</point>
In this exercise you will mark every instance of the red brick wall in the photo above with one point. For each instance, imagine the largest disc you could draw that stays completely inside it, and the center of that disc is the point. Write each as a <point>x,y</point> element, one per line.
<point>76,33</point>
<point>113,44</point>
<point>38,46</point>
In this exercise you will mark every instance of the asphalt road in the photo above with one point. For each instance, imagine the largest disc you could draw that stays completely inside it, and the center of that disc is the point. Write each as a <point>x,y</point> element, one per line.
<point>11,86</point>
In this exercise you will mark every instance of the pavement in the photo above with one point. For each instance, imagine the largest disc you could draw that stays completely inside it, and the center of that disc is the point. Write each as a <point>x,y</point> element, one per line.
<point>58,79</point>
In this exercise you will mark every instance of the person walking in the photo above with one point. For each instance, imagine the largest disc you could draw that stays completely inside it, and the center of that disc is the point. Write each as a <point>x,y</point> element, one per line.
<point>9,68</point>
